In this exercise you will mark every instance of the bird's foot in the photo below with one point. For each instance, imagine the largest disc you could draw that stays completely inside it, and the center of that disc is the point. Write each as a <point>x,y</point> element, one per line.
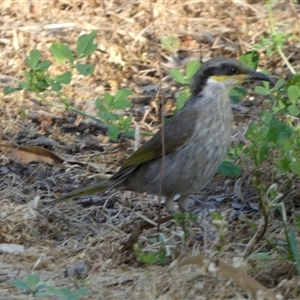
<point>183,203</point>
<point>169,205</point>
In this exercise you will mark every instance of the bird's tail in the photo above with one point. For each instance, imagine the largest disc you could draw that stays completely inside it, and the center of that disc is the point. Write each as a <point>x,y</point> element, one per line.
<point>92,189</point>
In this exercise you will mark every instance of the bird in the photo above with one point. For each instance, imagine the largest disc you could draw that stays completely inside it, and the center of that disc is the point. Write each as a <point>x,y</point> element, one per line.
<point>183,156</point>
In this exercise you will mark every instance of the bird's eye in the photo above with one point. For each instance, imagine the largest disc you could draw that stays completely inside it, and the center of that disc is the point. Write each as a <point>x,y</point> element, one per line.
<point>233,70</point>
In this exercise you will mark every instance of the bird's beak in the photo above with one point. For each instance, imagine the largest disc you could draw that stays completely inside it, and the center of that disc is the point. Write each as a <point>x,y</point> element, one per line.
<point>259,76</point>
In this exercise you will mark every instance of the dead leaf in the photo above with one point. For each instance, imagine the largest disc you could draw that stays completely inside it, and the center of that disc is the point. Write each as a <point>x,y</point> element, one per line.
<point>27,154</point>
<point>237,275</point>
<point>187,41</point>
<point>133,238</point>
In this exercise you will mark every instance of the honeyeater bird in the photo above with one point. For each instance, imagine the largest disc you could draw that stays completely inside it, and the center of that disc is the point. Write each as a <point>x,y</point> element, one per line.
<point>194,141</point>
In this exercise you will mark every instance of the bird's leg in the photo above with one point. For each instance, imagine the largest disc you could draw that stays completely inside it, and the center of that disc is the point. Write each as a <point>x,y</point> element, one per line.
<point>183,202</point>
<point>169,204</point>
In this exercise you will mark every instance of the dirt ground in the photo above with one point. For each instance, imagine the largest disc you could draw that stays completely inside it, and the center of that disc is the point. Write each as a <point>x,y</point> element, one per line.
<point>86,243</point>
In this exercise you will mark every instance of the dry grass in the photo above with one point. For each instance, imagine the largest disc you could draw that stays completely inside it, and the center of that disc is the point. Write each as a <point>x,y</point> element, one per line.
<point>60,238</point>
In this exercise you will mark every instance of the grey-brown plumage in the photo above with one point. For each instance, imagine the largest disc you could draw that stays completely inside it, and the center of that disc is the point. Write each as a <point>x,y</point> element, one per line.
<point>195,139</point>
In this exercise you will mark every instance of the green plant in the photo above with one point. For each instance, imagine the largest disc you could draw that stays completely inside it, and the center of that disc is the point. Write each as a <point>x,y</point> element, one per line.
<point>191,69</point>
<point>222,225</point>
<point>31,285</point>
<point>170,43</point>
<point>276,40</point>
<point>66,294</point>
<point>285,96</point>
<point>294,249</point>
<point>274,139</point>
<point>274,146</point>
<point>106,111</point>
<point>291,237</point>
<point>183,219</point>
<point>37,78</point>
<point>158,256</point>
<point>291,249</point>
<point>48,89</point>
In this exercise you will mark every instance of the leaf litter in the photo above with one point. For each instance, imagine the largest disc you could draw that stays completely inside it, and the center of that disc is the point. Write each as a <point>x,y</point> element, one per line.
<point>97,240</point>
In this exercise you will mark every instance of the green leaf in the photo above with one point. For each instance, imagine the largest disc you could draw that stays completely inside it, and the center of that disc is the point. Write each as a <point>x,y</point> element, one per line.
<point>21,285</point>
<point>85,44</point>
<point>230,169</point>
<point>286,146</point>
<point>122,94</point>
<point>64,78</point>
<point>43,293</point>
<point>33,59</point>
<point>113,132</point>
<point>293,93</point>
<point>263,153</point>
<point>278,130</point>
<point>295,80</point>
<point>236,93</point>
<point>56,86</point>
<point>295,166</point>
<point>276,109</point>
<point>120,99</point>
<point>108,98</point>
<point>294,247</point>
<point>272,134</point>
<point>279,84</point>
<point>41,286</point>
<point>33,279</point>
<point>41,85</point>
<point>181,98</point>
<point>266,84</point>
<point>282,103</point>
<point>108,116</point>
<point>250,59</point>
<point>262,90</point>
<point>24,85</point>
<point>130,132</point>
<point>28,75</point>
<point>61,52</point>
<point>48,80</point>
<point>177,76</point>
<point>124,122</point>
<point>79,293</point>
<point>216,216</point>
<point>170,43</point>
<point>191,69</point>
<point>99,105</point>
<point>258,47</point>
<point>284,164</point>
<point>85,69</point>
<point>293,110</point>
<point>60,293</point>
<point>149,258</point>
<point>121,104</point>
<point>8,90</point>
<point>43,65</point>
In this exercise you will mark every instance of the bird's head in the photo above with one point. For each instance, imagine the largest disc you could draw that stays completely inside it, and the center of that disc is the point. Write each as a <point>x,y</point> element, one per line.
<point>225,73</point>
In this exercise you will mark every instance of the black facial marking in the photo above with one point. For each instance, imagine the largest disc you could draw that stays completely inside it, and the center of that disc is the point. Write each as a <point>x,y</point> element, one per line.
<point>214,67</point>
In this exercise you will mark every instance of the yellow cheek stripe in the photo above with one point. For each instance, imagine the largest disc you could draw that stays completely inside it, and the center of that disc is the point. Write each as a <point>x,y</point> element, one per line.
<point>219,77</point>
<point>226,77</point>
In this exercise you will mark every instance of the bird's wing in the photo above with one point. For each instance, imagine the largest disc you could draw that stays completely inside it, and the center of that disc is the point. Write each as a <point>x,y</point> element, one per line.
<point>177,132</point>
